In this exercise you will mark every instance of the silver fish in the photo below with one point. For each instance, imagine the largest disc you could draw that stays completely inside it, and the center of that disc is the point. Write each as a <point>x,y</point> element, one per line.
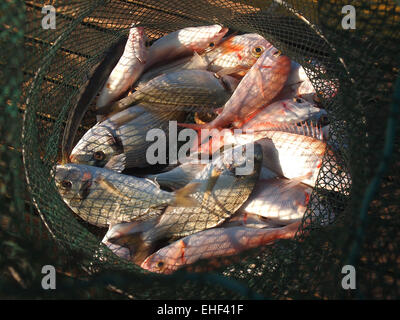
<point>128,69</point>
<point>101,196</point>
<point>181,90</point>
<point>122,134</point>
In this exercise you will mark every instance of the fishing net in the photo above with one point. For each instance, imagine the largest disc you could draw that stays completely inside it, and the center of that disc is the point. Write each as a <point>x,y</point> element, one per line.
<point>42,71</point>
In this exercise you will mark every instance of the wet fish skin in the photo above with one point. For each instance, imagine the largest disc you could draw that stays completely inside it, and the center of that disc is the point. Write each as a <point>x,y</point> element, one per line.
<point>128,69</point>
<point>123,133</point>
<point>216,242</point>
<point>101,196</point>
<point>184,42</point>
<point>236,54</point>
<point>287,111</point>
<point>218,184</point>
<point>184,90</point>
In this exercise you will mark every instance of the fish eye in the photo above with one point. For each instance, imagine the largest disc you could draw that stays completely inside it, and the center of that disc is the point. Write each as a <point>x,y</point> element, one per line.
<point>160,264</point>
<point>99,155</point>
<point>298,100</point>
<point>257,51</point>
<point>212,44</point>
<point>66,184</point>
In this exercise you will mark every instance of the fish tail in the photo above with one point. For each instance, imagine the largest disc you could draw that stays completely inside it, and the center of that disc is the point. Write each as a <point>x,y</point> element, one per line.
<point>182,196</point>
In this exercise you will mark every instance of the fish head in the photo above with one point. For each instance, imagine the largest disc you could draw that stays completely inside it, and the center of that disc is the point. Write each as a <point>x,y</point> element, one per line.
<point>96,147</point>
<point>237,54</point>
<point>167,259</point>
<point>201,39</point>
<point>138,41</point>
<point>254,46</point>
<point>73,182</point>
<point>273,59</point>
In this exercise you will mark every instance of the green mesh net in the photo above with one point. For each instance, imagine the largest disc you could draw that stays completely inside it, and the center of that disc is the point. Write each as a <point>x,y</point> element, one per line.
<point>43,70</point>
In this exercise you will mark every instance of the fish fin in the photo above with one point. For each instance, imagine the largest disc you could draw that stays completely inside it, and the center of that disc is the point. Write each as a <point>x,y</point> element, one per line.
<point>110,187</point>
<point>199,61</point>
<point>153,181</point>
<point>304,129</point>
<point>182,198</point>
<point>117,163</point>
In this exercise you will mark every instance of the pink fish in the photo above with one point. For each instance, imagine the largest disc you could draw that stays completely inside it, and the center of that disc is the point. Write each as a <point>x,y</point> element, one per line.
<point>128,69</point>
<point>185,42</point>
<point>257,88</point>
<point>212,243</point>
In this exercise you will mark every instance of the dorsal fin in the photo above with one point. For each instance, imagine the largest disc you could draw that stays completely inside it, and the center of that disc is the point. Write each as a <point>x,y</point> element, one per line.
<point>303,128</point>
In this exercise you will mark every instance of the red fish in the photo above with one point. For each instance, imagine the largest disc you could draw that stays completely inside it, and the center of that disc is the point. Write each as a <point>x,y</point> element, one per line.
<point>257,88</point>
<point>214,243</point>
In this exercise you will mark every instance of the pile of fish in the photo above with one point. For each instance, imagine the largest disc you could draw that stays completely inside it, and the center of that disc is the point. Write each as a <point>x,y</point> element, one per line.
<point>191,210</point>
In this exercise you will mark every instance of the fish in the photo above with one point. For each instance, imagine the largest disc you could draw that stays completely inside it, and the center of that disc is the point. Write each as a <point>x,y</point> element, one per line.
<point>179,176</point>
<point>96,80</point>
<point>123,133</point>
<point>220,194</point>
<point>287,111</point>
<point>128,69</point>
<point>282,201</point>
<point>185,42</point>
<point>236,54</point>
<point>211,243</point>
<point>184,90</point>
<point>101,196</point>
<point>195,62</point>
<point>258,87</point>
